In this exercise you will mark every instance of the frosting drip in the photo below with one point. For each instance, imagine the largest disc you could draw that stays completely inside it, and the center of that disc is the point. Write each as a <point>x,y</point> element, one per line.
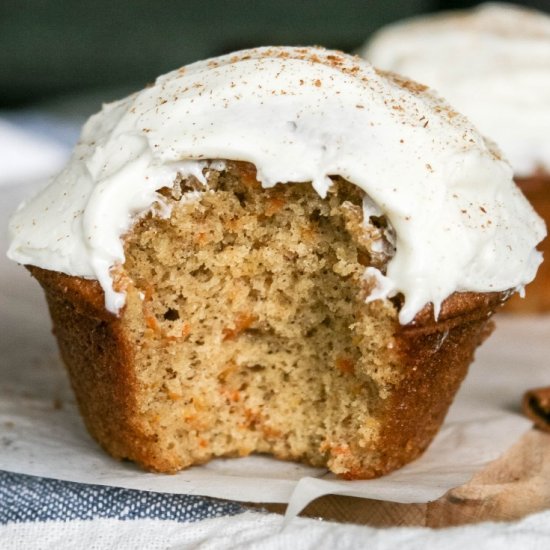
<point>297,114</point>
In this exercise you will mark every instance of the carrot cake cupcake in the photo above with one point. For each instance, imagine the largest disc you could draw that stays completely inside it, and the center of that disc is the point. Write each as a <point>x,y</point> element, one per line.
<point>282,251</point>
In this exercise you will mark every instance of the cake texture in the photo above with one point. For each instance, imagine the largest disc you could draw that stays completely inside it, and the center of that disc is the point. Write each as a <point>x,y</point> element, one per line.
<point>499,78</point>
<point>253,256</point>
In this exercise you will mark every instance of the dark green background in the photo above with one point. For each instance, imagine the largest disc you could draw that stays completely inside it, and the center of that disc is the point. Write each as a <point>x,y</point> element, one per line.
<point>54,47</point>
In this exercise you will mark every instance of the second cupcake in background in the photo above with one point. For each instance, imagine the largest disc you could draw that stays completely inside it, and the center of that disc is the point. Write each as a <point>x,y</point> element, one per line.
<point>491,63</point>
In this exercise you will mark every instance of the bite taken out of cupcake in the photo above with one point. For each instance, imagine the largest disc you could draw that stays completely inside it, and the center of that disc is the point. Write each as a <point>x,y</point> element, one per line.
<point>282,251</point>
<point>492,64</point>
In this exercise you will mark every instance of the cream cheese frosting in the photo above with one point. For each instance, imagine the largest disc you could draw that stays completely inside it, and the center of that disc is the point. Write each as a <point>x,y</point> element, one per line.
<point>299,115</point>
<point>491,63</point>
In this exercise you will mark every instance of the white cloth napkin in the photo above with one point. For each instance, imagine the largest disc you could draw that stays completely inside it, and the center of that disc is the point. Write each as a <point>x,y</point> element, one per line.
<point>253,530</point>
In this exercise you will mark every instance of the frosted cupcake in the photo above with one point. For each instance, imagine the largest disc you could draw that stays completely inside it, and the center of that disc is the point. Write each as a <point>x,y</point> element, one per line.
<point>280,251</point>
<point>492,64</point>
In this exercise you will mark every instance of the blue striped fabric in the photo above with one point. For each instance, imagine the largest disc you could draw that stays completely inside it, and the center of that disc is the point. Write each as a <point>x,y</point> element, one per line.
<point>26,498</point>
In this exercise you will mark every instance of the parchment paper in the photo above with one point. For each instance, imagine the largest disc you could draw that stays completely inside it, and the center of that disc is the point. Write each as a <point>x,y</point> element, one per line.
<point>41,432</point>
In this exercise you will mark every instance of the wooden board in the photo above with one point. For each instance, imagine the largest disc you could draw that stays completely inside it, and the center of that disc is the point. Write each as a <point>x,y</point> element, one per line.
<point>515,485</point>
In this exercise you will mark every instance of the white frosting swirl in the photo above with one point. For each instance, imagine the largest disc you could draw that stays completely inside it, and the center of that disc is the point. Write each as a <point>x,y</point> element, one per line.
<point>298,114</point>
<point>491,63</point>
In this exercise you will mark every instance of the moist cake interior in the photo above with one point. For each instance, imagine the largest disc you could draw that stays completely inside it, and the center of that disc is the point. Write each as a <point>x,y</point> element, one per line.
<point>247,307</point>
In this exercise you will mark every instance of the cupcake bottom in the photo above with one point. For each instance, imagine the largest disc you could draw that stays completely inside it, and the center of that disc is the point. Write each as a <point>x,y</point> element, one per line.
<point>537,293</point>
<point>246,330</point>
